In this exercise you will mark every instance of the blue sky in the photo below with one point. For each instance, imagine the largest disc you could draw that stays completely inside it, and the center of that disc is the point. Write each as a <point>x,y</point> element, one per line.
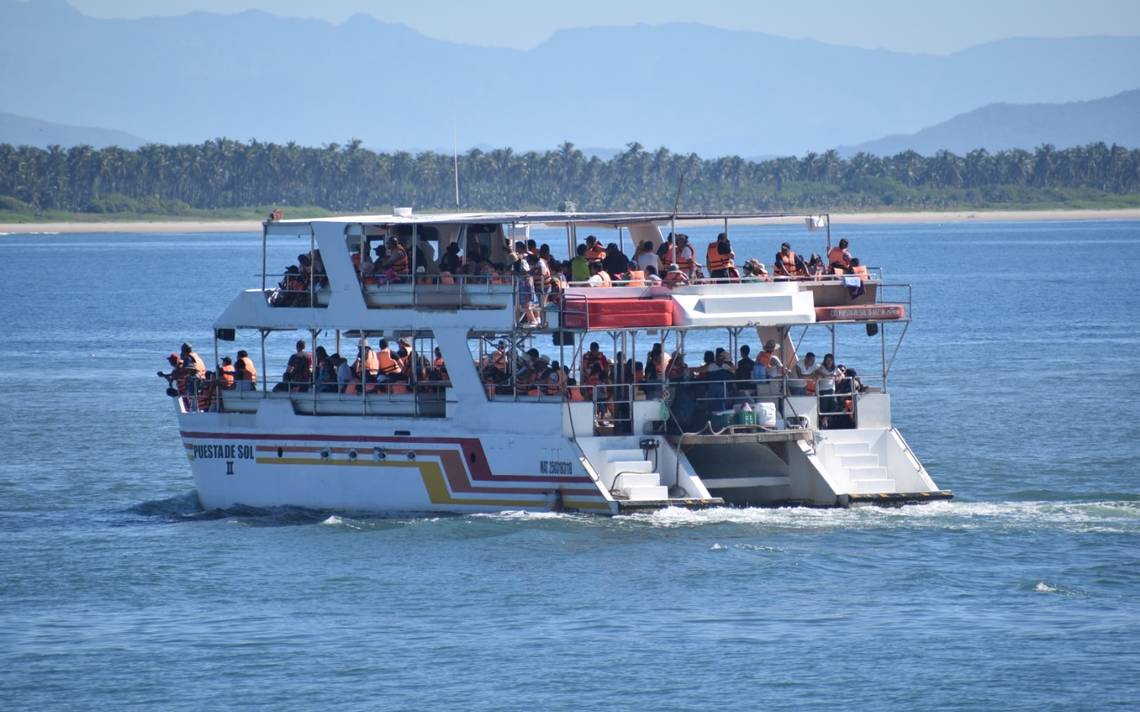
<point>905,25</point>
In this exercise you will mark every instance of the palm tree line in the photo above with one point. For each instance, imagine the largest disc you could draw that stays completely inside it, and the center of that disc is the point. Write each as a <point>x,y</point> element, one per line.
<point>223,173</point>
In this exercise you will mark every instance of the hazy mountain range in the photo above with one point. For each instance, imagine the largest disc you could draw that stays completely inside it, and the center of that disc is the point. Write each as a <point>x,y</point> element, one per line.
<point>1002,126</point>
<point>24,131</point>
<point>687,87</point>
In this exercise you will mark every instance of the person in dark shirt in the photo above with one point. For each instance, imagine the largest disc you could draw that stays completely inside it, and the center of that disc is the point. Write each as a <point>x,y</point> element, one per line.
<point>299,370</point>
<point>615,262</point>
<point>450,260</point>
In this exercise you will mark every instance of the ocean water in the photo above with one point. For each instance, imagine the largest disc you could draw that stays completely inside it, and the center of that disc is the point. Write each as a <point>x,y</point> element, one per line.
<point>1017,384</point>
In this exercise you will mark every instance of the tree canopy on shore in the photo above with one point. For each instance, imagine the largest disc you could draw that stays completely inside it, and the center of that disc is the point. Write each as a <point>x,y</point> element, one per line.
<point>222,173</point>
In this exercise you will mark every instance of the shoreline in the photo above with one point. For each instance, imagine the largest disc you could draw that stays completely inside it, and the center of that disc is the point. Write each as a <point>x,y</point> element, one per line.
<point>907,218</point>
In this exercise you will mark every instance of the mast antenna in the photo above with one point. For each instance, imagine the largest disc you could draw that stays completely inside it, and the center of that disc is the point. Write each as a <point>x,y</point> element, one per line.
<point>455,157</point>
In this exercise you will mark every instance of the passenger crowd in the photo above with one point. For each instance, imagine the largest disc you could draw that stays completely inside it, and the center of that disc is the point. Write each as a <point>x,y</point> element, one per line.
<point>396,367</point>
<point>540,276</point>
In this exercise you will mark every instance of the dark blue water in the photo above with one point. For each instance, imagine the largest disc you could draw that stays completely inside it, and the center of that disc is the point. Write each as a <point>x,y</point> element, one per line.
<point>1017,384</point>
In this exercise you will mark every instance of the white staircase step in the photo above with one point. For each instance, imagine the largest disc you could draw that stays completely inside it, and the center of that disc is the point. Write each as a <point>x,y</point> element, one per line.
<point>866,473</point>
<point>651,492</point>
<point>629,454</point>
<point>617,466</point>
<point>872,486</point>
<point>637,479</point>
<point>851,448</point>
<point>866,460</point>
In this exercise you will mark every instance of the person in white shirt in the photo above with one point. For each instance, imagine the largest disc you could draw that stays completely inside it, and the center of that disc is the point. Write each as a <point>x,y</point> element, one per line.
<point>803,370</point>
<point>825,375</point>
<point>646,257</point>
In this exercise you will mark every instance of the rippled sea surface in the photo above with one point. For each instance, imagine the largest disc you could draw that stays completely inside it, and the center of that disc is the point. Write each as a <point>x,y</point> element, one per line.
<point>1017,384</point>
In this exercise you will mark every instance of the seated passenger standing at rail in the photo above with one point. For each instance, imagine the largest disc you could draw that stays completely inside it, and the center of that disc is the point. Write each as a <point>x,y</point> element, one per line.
<point>788,263</point>
<point>192,370</point>
<point>682,254</point>
<point>745,365</point>
<point>804,372</point>
<point>450,261</point>
<point>719,258</point>
<point>226,373</point>
<point>615,262</point>
<point>839,257</point>
<point>599,277</point>
<point>755,271</point>
<point>388,365</point>
<point>815,266</point>
<point>645,256</point>
<point>245,364</point>
<point>768,365</point>
<point>580,266</point>
<point>675,277</point>
<point>594,250</point>
<point>825,374</point>
<point>594,357</point>
<point>298,371</point>
<point>397,259</point>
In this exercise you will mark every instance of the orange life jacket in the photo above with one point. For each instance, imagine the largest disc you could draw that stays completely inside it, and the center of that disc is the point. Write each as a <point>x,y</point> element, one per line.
<point>838,270</point>
<point>715,261</point>
<point>789,262</point>
<point>226,375</point>
<point>859,271</point>
<point>400,264</point>
<point>597,253</point>
<point>838,255</point>
<point>576,395</point>
<point>590,358</point>
<point>386,363</point>
<point>636,278</point>
<point>764,359</point>
<point>198,364</point>
<point>247,362</point>
<point>371,363</point>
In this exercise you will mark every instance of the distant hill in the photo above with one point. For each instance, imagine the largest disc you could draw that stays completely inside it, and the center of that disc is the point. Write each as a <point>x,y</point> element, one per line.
<point>23,131</point>
<point>1115,119</point>
<point>688,87</point>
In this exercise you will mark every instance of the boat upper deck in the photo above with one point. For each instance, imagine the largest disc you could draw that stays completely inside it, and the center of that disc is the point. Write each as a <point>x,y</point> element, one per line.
<point>362,272</point>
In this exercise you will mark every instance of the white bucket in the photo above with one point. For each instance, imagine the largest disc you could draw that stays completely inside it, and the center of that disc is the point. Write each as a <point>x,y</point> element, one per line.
<point>765,414</point>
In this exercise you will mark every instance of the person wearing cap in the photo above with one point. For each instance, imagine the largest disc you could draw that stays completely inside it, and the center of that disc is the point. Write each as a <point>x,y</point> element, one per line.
<point>192,369</point>
<point>675,277</point>
<point>226,373</point>
<point>174,377</point>
<point>768,366</point>
<point>755,271</point>
<point>594,250</point>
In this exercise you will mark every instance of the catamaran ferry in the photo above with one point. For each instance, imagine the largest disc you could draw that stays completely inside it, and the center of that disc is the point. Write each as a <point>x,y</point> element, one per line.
<point>451,370</point>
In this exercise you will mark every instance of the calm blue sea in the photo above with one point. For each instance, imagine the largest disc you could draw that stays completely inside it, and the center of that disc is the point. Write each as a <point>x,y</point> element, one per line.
<point>1017,384</point>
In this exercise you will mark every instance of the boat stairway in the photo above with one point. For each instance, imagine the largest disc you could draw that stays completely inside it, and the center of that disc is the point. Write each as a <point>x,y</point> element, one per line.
<point>631,475</point>
<point>865,472</point>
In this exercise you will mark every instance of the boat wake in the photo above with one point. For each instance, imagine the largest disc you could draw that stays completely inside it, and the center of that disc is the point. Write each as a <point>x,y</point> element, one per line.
<point>1107,516</point>
<point>1118,515</point>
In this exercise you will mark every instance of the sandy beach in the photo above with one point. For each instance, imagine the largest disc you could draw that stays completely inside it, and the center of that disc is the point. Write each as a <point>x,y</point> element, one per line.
<point>188,226</point>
